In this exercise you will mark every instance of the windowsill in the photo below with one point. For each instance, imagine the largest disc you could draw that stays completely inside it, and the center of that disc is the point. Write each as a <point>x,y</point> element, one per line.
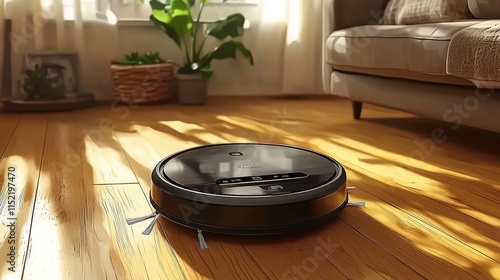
<point>134,22</point>
<point>147,22</point>
<point>245,3</point>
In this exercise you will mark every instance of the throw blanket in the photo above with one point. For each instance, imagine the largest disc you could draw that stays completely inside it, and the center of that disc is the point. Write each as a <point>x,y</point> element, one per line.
<point>474,54</point>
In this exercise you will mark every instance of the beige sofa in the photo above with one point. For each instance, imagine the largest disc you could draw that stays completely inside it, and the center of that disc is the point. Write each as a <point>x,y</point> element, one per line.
<point>442,70</point>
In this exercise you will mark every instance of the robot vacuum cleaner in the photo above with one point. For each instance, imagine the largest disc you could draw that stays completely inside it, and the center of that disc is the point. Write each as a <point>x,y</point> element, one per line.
<point>248,189</point>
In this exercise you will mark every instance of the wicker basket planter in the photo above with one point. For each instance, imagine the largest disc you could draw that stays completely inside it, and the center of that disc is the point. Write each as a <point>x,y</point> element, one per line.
<point>143,84</point>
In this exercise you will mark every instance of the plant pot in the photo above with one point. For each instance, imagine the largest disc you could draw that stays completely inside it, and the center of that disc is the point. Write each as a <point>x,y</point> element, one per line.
<point>192,89</point>
<point>143,84</point>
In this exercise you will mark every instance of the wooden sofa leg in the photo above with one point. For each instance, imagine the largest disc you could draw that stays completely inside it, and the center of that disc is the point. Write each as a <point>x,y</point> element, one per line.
<point>356,109</point>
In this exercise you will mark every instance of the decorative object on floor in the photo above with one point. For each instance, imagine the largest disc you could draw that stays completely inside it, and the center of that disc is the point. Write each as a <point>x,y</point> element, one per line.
<point>68,103</point>
<point>247,189</point>
<point>40,85</point>
<point>49,82</point>
<point>142,78</point>
<point>61,69</point>
<point>176,20</point>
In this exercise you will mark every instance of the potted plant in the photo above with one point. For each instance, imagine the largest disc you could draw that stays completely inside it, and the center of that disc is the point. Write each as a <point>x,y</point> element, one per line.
<point>39,85</point>
<point>142,78</point>
<point>176,20</point>
<point>48,82</point>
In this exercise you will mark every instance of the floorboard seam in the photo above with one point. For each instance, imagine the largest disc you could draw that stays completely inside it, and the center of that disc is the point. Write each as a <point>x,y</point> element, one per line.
<point>34,200</point>
<point>381,247</point>
<point>10,137</point>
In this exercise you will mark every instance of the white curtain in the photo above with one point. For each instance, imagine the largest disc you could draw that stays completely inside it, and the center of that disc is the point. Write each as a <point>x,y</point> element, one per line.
<point>57,26</point>
<point>302,64</point>
<point>2,48</point>
<point>285,37</point>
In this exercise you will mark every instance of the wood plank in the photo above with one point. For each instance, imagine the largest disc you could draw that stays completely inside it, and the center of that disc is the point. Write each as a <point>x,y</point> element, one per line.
<point>146,143</point>
<point>143,257</point>
<point>8,123</point>
<point>330,252</point>
<point>124,113</point>
<point>450,209</point>
<point>225,258</point>
<point>24,152</point>
<point>74,232</point>
<point>408,133</point>
<point>378,131</point>
<point>139,153</point>
<point>105,160</point>
<point>61,245</point>
<point>356,256</point>
<point>324,116</point>
<point>429,159</point>
<point>291,257</point>
<point>435,219</point>
<point>425,248</point>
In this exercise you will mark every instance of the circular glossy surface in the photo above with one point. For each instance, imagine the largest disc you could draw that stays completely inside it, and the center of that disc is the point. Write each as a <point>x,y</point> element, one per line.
<point>237,164</point>
<point>248,188</point>
<point>248,174</point>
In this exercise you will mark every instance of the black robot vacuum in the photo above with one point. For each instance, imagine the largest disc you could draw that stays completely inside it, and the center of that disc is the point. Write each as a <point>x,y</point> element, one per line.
<point>248,189</point>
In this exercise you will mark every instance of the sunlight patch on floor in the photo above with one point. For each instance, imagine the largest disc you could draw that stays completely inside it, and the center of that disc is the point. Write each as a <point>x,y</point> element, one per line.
<point>48,251</point>
<point>409,159</point>
<point>210,138</point>
<point>21,186</point>
<point>163,142</point>
<point>236,139</point>
<point>181,126</point>
<point>270,126</point>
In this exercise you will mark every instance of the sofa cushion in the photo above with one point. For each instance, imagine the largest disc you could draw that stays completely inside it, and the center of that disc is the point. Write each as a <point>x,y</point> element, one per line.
<point>416,48</point>
<point>486,9</point>
<point>424,11</point>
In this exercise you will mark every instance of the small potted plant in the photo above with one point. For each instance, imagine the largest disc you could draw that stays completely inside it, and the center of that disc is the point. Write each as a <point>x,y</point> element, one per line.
<point>39,85</point>
<point>142,78</point>
<point>176,20</point>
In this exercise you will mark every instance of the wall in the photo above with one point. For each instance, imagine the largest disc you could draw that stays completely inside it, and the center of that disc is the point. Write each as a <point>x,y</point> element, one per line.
<point>103,43</point>
<point>231,77</point>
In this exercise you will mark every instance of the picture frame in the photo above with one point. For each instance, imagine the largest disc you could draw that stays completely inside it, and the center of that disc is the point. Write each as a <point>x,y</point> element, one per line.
<point>62,68</point>
<point>49,82</point>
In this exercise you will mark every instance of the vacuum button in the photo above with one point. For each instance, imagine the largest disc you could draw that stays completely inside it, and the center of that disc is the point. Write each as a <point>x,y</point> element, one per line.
<point>275,188</point>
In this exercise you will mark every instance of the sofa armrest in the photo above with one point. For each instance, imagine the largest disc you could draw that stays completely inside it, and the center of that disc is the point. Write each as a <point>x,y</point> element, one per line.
<point>341,14</point>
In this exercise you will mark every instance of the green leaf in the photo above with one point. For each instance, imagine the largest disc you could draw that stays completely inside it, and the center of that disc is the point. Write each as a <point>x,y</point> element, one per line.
<point>157,5</point>
<point>228,50</point>
<point>161,15</point>
<point>181,20</point>
<point>167,29</point>
<point>135,58</point>
<point>176,22</point>
<point>232,26</point>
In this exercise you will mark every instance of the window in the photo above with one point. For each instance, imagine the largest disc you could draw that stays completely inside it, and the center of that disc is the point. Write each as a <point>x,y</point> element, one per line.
<point>136,10</point>
<point>215,9</point>
<point>91,9</point>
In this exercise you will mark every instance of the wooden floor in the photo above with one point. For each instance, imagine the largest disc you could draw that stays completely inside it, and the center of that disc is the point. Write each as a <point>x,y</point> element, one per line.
<point>432,208</point>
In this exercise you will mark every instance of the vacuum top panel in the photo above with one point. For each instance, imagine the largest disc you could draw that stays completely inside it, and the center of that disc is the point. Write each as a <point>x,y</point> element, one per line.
<point>248,169</point>
<point>247,188</point>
